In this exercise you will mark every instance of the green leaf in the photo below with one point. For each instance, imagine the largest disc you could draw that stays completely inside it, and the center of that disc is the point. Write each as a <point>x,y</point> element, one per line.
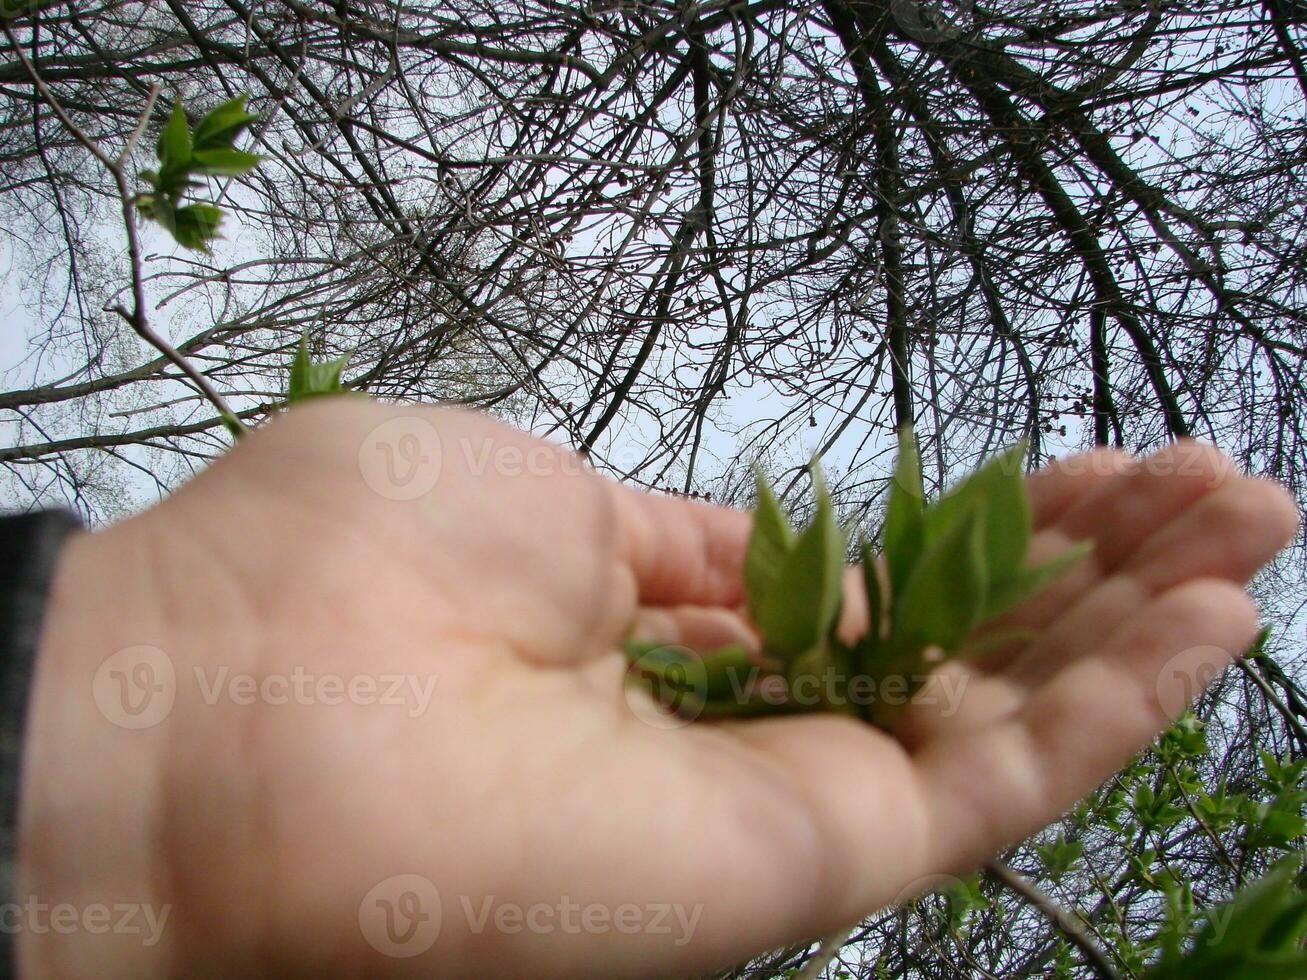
<point>224,163</point>
<point>195,225</point>
<point>1257,650</point>
<point>313,380</point>
<point>148,206</point>
<point>234,426</point>
<point>1278,827</point>
<point>999,490</point>
<point>945,595</point>
<point>726,671</point>
<point>1261,939</point>
<point>220,127</point>
<point>1026,582</point>
<point>904,514</point>
<point>1285,931</point>
<point>963,898</point>
<point>798,611</point>
<point>770,541</point>
<point>1060,855</point>
<point>174,146</point>
<point>674,676</point>
<point>875,598</point>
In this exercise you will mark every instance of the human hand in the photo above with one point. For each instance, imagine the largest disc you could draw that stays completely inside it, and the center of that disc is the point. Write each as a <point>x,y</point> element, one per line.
<point>281,833</point>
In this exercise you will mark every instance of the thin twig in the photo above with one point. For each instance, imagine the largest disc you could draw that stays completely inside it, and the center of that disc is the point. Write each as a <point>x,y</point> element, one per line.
<point>1206,828</point>
<point>55,104</point>
<point>136,318</point>
<point>1268,692</point>
<point>141,123</point>
<point>1065,922</point>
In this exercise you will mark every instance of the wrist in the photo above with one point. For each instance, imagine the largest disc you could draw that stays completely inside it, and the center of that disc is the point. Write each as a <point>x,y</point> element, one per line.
<point>89,897</point>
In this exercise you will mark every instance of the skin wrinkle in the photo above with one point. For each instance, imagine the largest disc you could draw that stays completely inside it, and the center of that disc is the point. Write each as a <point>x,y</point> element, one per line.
<point>816,864</point>
<point>614,583</point>
<point>177,842</point>
<point>167,866</point>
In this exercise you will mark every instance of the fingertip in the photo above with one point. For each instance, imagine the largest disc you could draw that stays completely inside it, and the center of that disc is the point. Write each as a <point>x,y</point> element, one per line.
<point>682,552</point>
<point>1283,517</point>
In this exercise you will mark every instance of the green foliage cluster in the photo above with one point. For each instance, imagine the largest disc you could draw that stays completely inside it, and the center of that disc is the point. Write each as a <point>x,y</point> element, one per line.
<point>1257,935</point>
<point>186,153</point>
<point>314,379</point>
<point>948,567</point>
<point>1160,798</point>
<point>207,149</point>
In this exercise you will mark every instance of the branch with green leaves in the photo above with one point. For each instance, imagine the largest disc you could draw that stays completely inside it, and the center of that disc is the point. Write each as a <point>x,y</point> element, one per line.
<point>1257,935</point>
<point>948,566</point>
<point>186,153</point>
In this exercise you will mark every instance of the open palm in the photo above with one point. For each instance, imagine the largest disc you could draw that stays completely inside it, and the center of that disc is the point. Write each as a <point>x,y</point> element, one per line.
<point>529,820</point>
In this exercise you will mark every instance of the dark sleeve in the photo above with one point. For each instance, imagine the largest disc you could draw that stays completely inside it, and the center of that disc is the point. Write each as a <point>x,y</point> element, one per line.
<point>29,549</point>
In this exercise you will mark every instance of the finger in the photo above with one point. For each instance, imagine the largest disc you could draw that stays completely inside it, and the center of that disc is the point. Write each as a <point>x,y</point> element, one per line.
<point>696,627</point>
<point>681,552</point>
<point>1228,535</point>
<point>1145,495</point>
<point>1058,486</point>
<point>990,788</point>
<point>1117,515</point>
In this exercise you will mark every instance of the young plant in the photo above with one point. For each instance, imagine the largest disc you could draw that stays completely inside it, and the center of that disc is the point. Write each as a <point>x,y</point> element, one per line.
<point>948,567</point>
<point>185,153</point>
<point>314,379</point>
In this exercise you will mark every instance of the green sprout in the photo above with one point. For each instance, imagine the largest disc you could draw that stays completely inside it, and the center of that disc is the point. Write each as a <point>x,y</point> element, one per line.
<point>185,153</point>
<point>314,379</point>
<point>949,566</point>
